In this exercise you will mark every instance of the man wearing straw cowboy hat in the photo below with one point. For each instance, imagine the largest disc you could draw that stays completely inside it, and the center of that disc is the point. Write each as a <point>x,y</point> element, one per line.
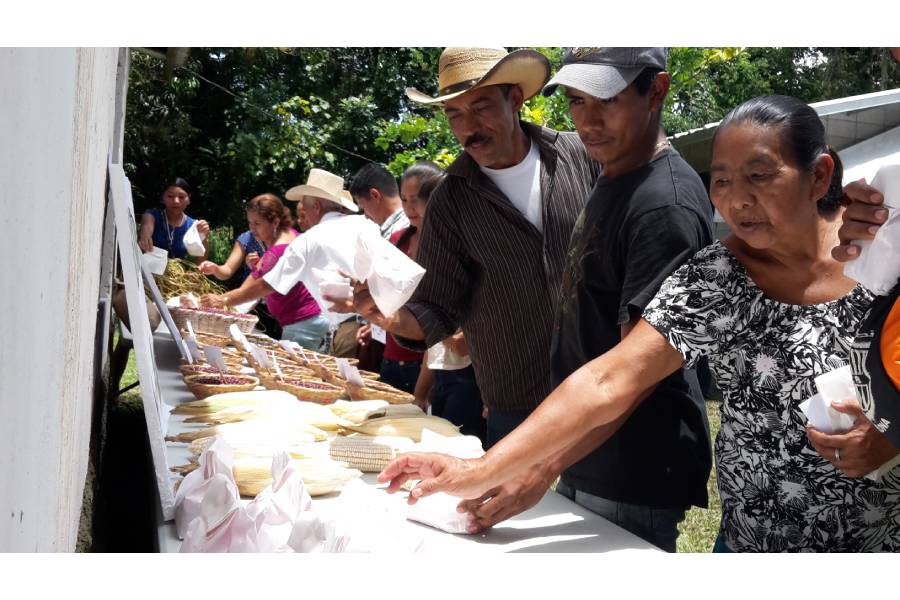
<point>647,214</point>
<point>494,241</point>
<point>329,244</point>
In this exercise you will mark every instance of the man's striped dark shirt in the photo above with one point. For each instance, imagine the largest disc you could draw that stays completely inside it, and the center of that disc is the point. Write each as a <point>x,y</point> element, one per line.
<point>492,272</point>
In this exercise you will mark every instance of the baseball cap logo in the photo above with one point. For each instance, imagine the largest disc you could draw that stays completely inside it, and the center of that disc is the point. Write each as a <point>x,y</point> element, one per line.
<point>582,52</point>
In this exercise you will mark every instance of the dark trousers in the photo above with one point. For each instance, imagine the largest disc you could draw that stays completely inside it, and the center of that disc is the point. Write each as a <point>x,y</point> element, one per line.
<point>402,375</point>
<point>500,424</point>
<point>455,397</point>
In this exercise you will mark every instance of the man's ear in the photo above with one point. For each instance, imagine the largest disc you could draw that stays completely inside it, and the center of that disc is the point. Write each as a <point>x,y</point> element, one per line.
<point>375,195</point>
<point>659,89</point>
<point>517,97</point>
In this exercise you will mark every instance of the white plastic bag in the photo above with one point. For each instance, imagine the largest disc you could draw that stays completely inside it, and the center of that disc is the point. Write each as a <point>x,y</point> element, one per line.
<point>156,260</point>
<point>878,265</point>
<point>392,276</point>
<point>215,469</point>
<point>278,507</point>
<point>193,242</point>
<point>223,524</point>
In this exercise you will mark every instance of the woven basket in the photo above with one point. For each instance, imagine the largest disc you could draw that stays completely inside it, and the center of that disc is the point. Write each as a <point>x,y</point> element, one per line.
<point>209,339</point>
<point>378,391</point>
<point>321,393</point>
<point>202,369</point>
<point>210,322</point>
<point>202,390</point>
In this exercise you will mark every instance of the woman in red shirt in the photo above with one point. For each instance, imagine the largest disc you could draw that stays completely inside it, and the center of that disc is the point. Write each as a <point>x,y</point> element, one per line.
<point>297,312</point>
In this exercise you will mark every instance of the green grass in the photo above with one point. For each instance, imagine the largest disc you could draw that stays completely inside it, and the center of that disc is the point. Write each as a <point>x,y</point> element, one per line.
<point>132,398</point>
<point>700,527</point>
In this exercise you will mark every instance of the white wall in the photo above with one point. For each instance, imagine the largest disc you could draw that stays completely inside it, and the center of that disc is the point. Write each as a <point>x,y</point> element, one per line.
<point>57,111</point>
<point>864,159</point>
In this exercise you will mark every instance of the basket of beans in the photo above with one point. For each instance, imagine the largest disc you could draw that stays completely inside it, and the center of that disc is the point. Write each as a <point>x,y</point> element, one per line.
<point>214,321</point>
<point>207,384</point>
<point>312,391</point>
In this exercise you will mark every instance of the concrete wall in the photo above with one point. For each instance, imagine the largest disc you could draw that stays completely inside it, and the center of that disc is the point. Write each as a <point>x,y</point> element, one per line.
<point>57,113</point>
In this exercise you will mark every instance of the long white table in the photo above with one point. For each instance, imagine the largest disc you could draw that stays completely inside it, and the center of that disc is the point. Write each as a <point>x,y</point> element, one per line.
<point>555,524</point>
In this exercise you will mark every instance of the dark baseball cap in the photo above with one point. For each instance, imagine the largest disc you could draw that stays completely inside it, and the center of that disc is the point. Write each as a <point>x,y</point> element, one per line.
<point>604,72</point>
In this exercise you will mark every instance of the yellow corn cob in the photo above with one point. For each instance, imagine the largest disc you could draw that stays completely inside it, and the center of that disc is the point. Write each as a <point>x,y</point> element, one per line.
<point>359,411</point>
<point>320,476</point>
<point>408,427</point>
<point>367,453</point>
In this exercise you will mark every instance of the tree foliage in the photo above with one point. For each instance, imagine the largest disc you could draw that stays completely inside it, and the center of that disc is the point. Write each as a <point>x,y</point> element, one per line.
<point>238,122</point>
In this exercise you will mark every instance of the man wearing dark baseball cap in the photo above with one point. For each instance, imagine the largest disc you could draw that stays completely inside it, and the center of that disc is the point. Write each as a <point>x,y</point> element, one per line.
<point>646,215</point>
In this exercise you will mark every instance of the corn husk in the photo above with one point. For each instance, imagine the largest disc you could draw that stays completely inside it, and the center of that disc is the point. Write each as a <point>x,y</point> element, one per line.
<point>218,402</point>
<point>408,427</point>
<point>311,413</point>
<point>320,476</point>
<point>257,431</point>
<point>360,411</point>
<point>305,450</point>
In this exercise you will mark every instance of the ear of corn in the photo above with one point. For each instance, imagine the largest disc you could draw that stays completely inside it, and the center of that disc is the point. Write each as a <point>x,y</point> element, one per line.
<point>256,431</point>
<point>408,427</point>
<point>320,476</point>
<point>306,450</point>
<point>218,402</point>
<point>367,453</point>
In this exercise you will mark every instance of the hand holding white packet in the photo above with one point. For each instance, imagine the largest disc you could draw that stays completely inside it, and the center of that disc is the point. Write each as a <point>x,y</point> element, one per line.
<point>193,242</point>
<point>439,510</point>
<point>878,265</point>
<point>837,385</point>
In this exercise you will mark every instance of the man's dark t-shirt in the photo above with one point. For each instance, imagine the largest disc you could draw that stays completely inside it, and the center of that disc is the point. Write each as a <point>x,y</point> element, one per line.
<point>633,233</point>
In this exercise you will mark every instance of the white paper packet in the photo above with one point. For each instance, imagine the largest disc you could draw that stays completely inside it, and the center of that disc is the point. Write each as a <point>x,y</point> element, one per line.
<point>156,260</point>
<point>215,464</point>
<point>193,242</point>
<point>837,385</point>
<point>878,265</point>
<point>277,508</point>
<point>391,275</point>
<point>439,510</point>
<point>223,524</point>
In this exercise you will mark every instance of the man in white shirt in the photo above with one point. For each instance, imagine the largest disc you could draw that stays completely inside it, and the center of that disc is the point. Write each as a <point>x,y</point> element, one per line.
<point>328,245</point>
<point>375,190</point>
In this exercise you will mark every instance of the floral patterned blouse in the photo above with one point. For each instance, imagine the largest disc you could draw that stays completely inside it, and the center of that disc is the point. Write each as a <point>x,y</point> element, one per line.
<point>777,493</point>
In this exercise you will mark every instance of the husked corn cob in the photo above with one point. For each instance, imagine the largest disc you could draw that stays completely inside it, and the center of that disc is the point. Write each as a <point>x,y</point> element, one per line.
<point>408,427</point>
<point>367,453</point>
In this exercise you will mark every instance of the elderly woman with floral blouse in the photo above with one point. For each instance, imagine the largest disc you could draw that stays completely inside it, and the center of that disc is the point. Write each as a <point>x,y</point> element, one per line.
<point>772,310</point>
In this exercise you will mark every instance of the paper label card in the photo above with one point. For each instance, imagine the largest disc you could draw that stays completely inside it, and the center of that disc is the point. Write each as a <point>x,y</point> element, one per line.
<point>379,334</point>
<point>286,344</point>
<point>277,368</point>
<point>238,336</point>
<point>260,356</point>
<point>214,357</point>
<point>191,341</point>
<point>354,377</point>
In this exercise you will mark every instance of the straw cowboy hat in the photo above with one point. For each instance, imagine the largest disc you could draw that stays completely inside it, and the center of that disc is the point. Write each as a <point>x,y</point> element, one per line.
<point>324,185</point>
<point>464,69</point>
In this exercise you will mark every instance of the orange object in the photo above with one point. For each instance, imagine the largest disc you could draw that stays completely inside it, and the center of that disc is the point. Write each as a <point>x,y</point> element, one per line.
<point>890,344</point>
